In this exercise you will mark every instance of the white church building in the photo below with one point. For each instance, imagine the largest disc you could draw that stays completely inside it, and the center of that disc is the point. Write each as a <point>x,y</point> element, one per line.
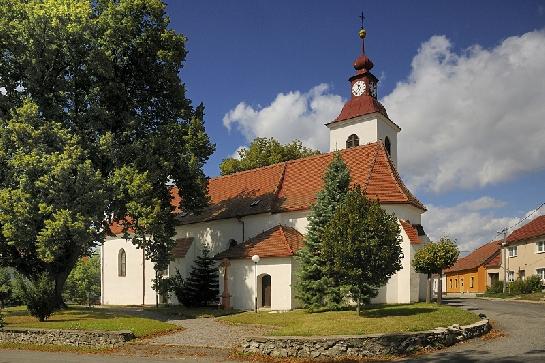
<point>265,212</point>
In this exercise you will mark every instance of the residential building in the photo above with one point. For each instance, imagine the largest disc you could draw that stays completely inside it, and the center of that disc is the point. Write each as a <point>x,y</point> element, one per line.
<point>525,251</point>
<point>476,271</point>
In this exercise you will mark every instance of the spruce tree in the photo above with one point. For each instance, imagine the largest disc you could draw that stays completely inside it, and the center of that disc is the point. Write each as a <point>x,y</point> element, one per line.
<point>314,287</point>
<point>202,287</point>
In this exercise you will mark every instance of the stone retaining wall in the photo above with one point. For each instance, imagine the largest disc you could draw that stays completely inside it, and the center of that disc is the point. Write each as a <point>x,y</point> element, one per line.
<point>89,338</point>
<point>363,345</point>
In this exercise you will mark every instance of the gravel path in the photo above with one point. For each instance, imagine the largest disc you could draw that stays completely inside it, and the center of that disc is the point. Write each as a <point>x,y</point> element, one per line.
<point>208,332</point>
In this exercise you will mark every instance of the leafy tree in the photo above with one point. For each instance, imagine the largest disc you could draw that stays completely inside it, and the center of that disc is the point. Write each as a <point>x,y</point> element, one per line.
<point>94,122</point>
<point>314,287</point>
<point>83,283</point>
<point>5,286</point>
<point>362,244</point>
<point>263,152</point>
<point>433,258</point>
<point>202,287</point>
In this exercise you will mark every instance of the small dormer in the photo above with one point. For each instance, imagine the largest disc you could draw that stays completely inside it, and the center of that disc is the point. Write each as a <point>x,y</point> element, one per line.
<point>363,118</point>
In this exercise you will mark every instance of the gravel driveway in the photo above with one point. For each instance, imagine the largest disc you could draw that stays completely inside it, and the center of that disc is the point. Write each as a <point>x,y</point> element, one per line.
<point>208,332</point>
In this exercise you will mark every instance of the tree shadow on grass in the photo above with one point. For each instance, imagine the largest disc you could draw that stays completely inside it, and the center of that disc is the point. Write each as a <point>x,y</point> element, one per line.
<point>395,311</point>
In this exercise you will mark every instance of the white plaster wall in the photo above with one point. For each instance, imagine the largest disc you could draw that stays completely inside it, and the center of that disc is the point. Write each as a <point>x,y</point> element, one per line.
<point>385,128</point>
<point>242,282</point>
<point>364,126</point>
<point>126,290</point>
<point>407,212</point>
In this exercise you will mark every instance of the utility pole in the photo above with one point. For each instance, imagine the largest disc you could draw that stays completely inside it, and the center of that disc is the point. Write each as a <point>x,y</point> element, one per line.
<point>505,257</point>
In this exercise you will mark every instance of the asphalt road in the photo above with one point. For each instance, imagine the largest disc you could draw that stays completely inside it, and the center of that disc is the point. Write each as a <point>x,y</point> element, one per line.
<point>522,326</point>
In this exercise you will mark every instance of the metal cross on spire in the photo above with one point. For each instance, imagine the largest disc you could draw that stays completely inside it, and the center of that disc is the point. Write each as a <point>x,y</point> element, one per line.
<point>362,18</point>
<point>362,33</point>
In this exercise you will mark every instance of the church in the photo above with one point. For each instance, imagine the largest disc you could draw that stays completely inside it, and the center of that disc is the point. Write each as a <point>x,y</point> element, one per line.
<point>264,212</point>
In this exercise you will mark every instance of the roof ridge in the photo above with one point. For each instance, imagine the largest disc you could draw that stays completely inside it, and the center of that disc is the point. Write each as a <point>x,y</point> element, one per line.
<point>399,182</point>
<point>285,238</point>
<point>321,155</point>
<point>371,169</point>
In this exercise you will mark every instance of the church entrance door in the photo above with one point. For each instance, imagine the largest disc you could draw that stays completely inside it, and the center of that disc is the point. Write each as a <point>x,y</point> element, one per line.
<point>266,291</point>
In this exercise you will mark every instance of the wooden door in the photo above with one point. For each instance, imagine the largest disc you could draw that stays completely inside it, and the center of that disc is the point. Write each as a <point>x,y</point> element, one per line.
<point>266,291</point>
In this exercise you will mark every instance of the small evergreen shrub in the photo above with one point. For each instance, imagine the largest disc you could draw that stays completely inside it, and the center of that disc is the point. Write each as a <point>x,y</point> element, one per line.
<point>38,295</point>
<point>495,288</point>
<point>202,287</point>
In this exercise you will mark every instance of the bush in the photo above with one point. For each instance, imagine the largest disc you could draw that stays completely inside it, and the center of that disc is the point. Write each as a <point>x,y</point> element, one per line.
<point>1,320</point>
<point>496,288</point>
<point>38,295</point>
<point>534,284</point>
<point>527,286</point>
<point>177,286</point>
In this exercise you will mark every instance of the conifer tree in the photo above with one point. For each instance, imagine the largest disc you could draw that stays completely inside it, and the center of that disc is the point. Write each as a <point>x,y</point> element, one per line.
<point>314,287</point>
<point>202,287</point>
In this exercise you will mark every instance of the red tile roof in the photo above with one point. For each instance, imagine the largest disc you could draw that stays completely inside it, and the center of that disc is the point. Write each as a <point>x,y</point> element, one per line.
<point>293,185</point>
<point>359,106</point>
<point>480,256</point>
<point>279,241</point>
<point>412,233</point>
<point>181,247</point>
<point>535,228</point>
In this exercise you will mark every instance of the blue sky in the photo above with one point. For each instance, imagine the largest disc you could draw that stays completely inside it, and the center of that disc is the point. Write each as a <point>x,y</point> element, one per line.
<point>252,52</point>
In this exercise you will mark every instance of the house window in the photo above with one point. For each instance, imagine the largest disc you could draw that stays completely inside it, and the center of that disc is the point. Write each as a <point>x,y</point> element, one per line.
<point>462,282</point>
<point>451,283</point>
<point>540,246</point>
<point>388,145</point>
<point>512,251</point>
<point>541,273</point>
<point>122,263</point>
<point>511,276</point>
<point>456,283</point>
<point>471,281</point>
<point>353,140</point>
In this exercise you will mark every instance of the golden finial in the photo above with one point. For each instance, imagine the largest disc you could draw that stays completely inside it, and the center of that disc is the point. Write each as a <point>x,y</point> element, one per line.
<point>362,33</point>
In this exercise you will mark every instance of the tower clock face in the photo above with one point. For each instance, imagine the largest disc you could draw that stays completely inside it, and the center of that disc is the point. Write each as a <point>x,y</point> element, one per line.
<point>358,88</point>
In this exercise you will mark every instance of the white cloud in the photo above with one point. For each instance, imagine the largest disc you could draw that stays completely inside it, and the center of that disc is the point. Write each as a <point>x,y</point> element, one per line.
<point>471,119</point>
<point>236,154</point>
<point>471,223</point>
<point>292,115</point>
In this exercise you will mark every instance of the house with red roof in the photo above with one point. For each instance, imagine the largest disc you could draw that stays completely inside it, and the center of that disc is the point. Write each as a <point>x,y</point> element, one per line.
<point>525,251</point>
<point>476,271</point>
<point>264,212</point>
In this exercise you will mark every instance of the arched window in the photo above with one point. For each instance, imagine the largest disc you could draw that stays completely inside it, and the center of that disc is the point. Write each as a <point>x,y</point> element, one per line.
<point>353,140</point>
<point>122,263</point>
<point>388,145</point>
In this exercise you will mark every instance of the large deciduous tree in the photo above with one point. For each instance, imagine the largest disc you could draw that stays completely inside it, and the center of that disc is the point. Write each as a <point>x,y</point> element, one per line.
<point>433,258</point>
<point>95,127</point>
<point>362,245</point>
<point>263,152</point>
<point>314,287</point>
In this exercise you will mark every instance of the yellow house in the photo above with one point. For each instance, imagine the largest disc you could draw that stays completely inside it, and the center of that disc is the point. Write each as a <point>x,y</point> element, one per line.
<point>470,273</point>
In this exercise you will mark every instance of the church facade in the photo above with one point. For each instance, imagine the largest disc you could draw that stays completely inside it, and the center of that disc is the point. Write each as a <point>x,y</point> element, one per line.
<point>264,212</point>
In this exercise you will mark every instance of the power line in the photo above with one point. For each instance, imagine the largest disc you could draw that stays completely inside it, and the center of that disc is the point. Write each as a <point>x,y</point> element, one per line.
<point>506,229</point>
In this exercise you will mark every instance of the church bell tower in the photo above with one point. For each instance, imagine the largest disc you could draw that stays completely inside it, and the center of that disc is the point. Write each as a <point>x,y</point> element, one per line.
<point>363,119</point>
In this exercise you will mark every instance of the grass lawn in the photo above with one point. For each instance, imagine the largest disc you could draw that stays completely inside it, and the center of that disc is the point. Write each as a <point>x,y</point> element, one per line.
<point>374,319</point>
<point>82,318</point>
